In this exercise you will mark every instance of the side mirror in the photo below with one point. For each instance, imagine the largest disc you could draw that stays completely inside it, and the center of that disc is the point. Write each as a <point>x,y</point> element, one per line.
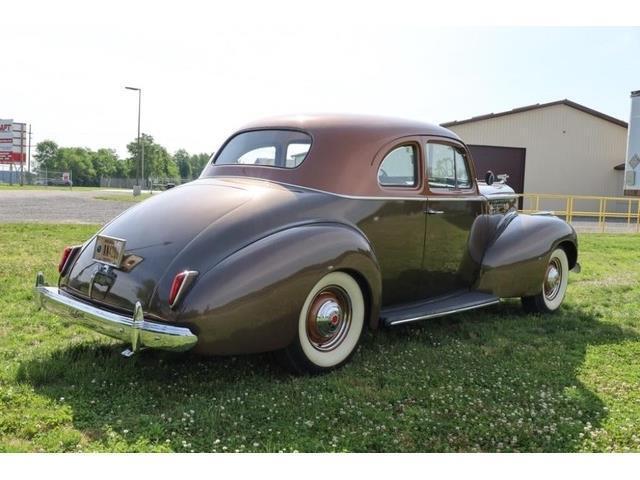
<point>489,178</point>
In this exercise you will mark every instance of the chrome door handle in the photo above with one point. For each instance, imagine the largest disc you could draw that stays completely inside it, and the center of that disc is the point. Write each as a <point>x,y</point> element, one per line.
<point>431,211</point>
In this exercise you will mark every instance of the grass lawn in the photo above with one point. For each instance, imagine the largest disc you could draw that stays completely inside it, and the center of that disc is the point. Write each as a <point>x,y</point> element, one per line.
<point>6,186</point>
<point>490,380</point>
<point>126,197</point>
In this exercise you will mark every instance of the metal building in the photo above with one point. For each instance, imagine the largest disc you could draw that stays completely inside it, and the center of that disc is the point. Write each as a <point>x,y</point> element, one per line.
<point>558,147</point>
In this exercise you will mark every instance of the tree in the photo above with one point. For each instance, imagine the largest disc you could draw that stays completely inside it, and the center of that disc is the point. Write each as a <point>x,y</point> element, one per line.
<point>157,161</point>
<point>47,155</point>
<point>105,163</point>
<point>198,162</point>
<point>181,158</point>
<point>79,162</point>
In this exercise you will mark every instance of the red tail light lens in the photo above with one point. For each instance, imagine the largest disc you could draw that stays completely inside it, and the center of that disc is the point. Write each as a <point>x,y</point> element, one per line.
<point>65,256</point>
<point>175,287</point>
<point>179,286</point>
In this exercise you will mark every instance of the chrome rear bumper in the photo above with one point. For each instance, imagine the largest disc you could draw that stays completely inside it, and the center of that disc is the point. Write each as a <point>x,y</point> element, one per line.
<point>135,329</point>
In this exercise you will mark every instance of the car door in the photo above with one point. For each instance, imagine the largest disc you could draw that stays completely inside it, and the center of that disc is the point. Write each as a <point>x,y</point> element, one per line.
<point>396,226</point>
<point>453,205</point>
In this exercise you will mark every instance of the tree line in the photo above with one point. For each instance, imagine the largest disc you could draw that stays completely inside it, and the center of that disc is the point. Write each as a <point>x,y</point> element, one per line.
<point>88,166</point>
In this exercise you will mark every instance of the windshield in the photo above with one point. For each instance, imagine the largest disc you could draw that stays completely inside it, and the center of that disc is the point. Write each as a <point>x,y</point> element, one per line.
<point>271,148</point>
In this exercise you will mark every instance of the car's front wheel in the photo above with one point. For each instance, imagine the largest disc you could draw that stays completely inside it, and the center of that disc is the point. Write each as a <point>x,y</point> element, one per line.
<point>554,285</point>
<point>329,326</point>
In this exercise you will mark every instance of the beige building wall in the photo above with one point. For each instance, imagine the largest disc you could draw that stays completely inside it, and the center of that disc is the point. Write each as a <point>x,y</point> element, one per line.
<point>568,151</point>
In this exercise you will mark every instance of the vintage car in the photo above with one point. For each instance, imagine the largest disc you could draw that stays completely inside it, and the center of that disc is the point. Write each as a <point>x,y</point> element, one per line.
<point>301,232</point>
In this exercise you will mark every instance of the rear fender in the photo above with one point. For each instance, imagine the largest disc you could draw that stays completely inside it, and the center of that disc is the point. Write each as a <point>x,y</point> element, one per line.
<point>515,260</point>
<point>250,302</point>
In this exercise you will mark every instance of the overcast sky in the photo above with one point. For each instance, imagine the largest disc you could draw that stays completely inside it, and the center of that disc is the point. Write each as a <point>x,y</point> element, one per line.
<point>206,71</point>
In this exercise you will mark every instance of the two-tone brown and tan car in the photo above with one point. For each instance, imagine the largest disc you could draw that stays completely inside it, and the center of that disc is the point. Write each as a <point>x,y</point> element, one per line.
<point>301,232</point>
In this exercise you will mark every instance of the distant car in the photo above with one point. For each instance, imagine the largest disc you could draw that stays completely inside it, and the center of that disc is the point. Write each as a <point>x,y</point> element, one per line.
<point>59,182</point>
<point>303,231</point>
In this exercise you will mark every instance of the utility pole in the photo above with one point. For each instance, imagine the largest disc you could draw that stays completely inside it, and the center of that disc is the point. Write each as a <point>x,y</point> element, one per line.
<point>140,165</point>
<point>22,132</point>
<point>29,153</point>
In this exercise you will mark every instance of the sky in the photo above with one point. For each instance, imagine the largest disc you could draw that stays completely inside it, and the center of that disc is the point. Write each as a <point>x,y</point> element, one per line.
<point>206,70</point>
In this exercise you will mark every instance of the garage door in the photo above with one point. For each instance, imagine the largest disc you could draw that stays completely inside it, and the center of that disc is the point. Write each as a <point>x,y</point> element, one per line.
<point>500,160</point>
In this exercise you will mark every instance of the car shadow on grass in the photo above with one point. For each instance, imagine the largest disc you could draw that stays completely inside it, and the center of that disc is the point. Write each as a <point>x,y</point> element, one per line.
<point>491,380</point>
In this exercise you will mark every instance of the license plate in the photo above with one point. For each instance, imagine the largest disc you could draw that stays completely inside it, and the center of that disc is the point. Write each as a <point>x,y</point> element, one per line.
<point>109,250</point>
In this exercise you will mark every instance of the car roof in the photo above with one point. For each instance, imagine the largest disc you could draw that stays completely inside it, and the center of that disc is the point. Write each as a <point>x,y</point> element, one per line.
<point>340,123</point>
<point>341,159</point>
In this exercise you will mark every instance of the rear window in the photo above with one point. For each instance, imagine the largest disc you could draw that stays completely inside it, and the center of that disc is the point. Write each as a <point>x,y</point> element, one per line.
<point>271,148</point>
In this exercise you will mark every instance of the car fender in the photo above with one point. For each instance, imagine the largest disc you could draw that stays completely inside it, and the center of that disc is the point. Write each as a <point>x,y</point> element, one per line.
<point>250,302</point>
<point>515,259</point>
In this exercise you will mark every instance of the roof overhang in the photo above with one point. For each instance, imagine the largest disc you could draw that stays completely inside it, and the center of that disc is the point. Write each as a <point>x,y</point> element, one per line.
<point>537,106</point>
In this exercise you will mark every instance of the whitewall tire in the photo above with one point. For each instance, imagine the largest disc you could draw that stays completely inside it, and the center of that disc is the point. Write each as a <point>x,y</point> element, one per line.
<point>554,285</point>
<point>329,325</point>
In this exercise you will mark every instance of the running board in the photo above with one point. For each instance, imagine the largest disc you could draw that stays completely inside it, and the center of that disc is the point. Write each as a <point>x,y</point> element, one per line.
<point>437,307</point>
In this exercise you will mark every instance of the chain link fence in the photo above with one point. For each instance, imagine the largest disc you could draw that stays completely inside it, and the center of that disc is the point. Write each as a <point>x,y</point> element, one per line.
<point>147,184</point>
<point>16,176</point>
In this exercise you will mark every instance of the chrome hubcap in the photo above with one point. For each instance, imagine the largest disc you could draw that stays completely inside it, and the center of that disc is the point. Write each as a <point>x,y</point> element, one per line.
<point>329,318</point>
<point>553,279</point>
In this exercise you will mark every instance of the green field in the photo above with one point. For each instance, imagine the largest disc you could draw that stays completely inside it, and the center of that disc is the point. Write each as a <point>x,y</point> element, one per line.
<point>491,380</point>
<point>122,197</point>
<point>6,186</point>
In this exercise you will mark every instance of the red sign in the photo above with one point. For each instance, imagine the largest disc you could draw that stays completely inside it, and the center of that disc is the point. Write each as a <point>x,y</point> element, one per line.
<point>12,142</point>
<point>12,157</point>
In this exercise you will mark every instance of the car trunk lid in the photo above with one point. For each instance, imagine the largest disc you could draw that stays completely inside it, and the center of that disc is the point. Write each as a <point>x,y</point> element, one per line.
<point>155,231</point>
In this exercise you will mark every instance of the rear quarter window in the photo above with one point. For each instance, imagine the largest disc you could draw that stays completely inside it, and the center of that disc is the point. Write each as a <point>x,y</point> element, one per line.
<point>399,168</point>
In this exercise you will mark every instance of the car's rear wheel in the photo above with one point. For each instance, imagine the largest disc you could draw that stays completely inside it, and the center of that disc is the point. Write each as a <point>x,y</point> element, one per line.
<point>329,326</point>
<point>554,285</point>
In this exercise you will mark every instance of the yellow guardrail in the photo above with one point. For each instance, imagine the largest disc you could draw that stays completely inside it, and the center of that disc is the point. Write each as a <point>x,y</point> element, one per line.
<point>624,209</point>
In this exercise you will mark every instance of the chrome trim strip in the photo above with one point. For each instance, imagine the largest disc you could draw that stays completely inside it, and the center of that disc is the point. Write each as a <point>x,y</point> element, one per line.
<point>501,196</point>
<point>449,312</point>
<point>91,282</point>
<point>135,329</point>
<point>445,198</point>
<point>544,213</point>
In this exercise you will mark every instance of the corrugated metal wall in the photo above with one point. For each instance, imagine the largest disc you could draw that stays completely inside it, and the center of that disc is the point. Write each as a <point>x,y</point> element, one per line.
<point>568,151</point>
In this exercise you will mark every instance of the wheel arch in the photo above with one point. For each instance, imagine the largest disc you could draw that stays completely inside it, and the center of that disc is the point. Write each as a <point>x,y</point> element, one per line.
<point>515,260</point>
<point>250,301</point>
<point>372,307</point>
<point>571,249</point>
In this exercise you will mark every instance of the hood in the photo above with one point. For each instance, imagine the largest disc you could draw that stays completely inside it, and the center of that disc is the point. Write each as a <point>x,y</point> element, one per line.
<point>496,190</point>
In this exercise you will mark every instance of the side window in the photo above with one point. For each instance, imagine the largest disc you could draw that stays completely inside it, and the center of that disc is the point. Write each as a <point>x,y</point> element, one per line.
<point>463,179</point>
<point>399,168</point>
<point>447,167</point>
<point>441,168</point>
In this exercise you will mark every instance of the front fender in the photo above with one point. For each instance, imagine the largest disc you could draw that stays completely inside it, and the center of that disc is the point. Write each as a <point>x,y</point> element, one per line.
<point>515,260</point>
<point>250,302</point>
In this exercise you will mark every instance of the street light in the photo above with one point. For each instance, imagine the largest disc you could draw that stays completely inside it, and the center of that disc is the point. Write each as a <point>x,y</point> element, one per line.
<point>140,165</point>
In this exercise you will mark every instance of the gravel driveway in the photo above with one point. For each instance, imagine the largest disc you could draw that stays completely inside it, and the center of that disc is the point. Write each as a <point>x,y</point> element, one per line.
<point>58,206</point>
<point>80,206</point>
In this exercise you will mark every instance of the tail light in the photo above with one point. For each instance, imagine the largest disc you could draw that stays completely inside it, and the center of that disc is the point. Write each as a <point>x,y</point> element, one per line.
<point>180,285</point>
<point>67,255</point>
